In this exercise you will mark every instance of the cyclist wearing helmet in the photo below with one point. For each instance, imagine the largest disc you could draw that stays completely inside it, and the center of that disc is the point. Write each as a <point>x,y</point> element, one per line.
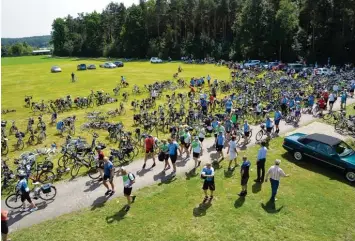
<point>23,188</point>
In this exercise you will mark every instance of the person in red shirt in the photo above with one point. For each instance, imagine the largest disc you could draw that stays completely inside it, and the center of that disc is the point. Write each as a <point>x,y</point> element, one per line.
<point>4,225</point>
<point>149,150</point>
<point>325,95</point>
<point>321,104</point>
<point>211,103</point>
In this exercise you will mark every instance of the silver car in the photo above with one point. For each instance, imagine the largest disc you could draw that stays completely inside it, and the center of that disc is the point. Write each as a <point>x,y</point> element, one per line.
<point>56,69</point>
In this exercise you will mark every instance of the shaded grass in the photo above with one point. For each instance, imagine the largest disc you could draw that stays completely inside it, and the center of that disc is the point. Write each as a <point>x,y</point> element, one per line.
<point>314,204</point>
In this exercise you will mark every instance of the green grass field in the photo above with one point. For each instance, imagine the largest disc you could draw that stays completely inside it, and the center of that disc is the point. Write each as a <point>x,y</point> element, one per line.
<point>314,204</point>
<point>31,76</point>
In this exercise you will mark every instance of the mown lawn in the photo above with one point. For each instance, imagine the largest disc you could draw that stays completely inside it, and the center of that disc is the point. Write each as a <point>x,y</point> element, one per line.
<point>314,204</point>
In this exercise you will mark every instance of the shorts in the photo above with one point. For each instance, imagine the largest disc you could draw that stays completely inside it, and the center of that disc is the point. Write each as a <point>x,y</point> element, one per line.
<point>229,131</point>
<point>173,158</point>
<point>108,178</point>
<point>258,113</point>
<point>127,191</point>
<point>208,185</point>
<point>149,150</point>
<point>246,134</point>
<point>219,148</point>
<point>351,90</point>
<point>182,140</point>
<point>4,227</point>
<point>26,196</point>
<point>201,139</point>
<point>187,145</point>
<point>331,102</point>
<point>196,155</point>
<point>269,129</point>
<point>228,111</point>
<point>277,122</point>
<point>232,155</point>
<point>244,181</point>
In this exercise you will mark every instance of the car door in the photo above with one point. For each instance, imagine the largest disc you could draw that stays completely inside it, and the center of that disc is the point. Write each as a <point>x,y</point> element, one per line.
<point>310,149</point>
<point>327,154</point>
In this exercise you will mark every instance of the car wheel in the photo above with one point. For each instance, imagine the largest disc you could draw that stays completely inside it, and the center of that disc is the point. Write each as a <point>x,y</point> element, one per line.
<point>350,175</point>
<point>297,155</point>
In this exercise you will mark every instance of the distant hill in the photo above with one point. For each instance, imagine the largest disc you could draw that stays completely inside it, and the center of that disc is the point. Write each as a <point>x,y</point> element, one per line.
<point>35,41</point>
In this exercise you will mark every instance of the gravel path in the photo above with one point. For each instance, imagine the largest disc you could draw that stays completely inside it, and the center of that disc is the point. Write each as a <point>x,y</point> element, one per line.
<point>83,192</point>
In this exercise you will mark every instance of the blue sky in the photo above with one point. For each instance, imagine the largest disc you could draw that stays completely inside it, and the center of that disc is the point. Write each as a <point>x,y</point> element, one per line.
<point>24,18</point>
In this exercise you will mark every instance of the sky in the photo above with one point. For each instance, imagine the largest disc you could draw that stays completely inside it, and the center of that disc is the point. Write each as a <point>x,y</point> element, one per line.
<point>25,18</point>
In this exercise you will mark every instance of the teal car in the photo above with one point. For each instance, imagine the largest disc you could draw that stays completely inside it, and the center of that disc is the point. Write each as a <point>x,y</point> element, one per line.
<point>327,149</point>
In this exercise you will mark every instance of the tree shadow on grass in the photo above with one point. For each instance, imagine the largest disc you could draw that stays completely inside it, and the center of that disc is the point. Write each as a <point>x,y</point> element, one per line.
<point>270,207</point>
<point>201,210</point>
<point>120,215</point>
<point>318,167</point>
<point>99,202</point>
<point>239,202</point>
<point>256,187</point>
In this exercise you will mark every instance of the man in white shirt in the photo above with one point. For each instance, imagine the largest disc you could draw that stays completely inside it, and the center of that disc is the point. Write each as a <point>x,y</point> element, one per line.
<point>331,101</point>
<point>260,162</point>
<point>275,173</point>
<point>232,150</point>
<point>336,89</point>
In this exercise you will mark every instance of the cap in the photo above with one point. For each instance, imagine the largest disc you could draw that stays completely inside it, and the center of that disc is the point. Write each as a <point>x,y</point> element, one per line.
<point>277,162</point>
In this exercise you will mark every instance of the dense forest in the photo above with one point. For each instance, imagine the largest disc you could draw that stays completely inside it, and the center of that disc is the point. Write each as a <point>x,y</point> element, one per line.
<point>287,30</point>
<point>35,41</point>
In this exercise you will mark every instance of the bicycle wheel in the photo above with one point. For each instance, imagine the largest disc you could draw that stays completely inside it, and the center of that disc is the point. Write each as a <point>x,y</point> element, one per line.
<point>327,116</point>
<point>13,201</point>
<point>62,160</point>
<point>250,135</point>
<point>135,151</point>
<point>237,138</point>
<point>259,135</point>
<point>41,137</point>
<point>128,157</point>
<point>32,140</point>
<point>72,131</point>
<point>20,145</point>
<point>46,177</point>
<point>75,170</point>
<point>48,196</point>
<point>4,150</point>
<point>94,173</point>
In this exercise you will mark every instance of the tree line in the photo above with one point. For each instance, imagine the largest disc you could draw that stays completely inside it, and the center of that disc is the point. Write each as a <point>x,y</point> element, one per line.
<point>287,30</point>
<point>34,41</point>
<point>17,49</point>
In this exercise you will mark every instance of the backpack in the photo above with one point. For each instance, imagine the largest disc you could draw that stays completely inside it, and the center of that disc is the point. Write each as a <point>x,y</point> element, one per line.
<point>134,177</point>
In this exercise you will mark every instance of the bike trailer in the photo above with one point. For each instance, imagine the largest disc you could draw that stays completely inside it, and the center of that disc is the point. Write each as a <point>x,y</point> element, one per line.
<point>46,188</point>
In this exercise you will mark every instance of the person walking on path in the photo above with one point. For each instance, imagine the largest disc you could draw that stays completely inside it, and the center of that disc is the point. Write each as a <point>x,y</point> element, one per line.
<point>331,101</point>
<point>343,98</point>
<point>100,161</point>
<point>149,150</point>
<point>4,225</point>
<point>275,173</point>
<point>220,145</point>
<point>187,142</point>
<point>109,172</point>
<point>173,148</point>
<point>128,181</point>
<point>232,150</point>
<point>164,154</point>
<point>260,163</point>
<point>244,176</point>
<point>277,119</point>
<point>196,148</point>
<point>22,186</point>
<point>208,174</point>
<point>246,130</point>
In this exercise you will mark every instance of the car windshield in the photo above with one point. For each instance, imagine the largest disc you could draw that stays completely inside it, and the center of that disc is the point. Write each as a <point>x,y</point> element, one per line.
<point>343,149</point>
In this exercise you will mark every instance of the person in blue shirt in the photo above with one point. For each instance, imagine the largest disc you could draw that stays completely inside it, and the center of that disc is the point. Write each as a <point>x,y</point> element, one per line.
<point>352,89</point>
<point>207,173</point>
<point>244,176</point>
<point>277,119</point>
<point>268,125</point>
<point>310,100</point>
<point>260,162</point>
<point>214,125</point>
<point>23,188</point>
<point>203,103</point>
<point>284,102</point>
<point>173,148</point>
<point>229,105</point>
<point>343,98</point>
<point>291,103</point>
<point>220,140</point>
<point>109,172</point>
<point>208,80</point>
<point>298,108</point>
<point>192,82</point>
<point>246,130</point>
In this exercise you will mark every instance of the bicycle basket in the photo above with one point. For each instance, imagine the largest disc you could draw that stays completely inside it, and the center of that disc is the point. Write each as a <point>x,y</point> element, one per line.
<point>46,188</point>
